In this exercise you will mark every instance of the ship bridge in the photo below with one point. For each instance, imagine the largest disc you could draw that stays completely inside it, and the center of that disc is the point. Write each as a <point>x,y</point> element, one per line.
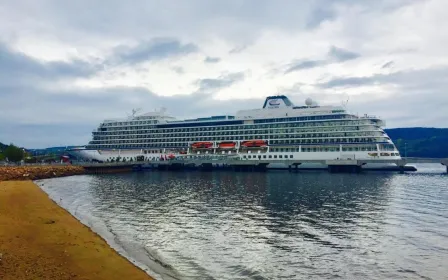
<point>280,106</point>
<point>278,101</point>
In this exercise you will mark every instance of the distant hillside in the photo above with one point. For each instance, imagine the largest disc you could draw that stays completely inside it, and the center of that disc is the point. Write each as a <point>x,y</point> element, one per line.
<point>49,151</point>
<point>52,151</point>
<point>420,141</point>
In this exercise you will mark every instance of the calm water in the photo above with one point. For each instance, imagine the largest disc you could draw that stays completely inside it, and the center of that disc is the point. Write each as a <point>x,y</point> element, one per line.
<point>274,225</point>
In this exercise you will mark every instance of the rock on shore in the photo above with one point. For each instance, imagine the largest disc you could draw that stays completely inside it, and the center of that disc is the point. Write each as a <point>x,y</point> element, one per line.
<point>36,172</point>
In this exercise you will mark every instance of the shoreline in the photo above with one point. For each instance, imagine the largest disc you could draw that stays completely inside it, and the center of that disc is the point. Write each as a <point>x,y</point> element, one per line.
<point>41,240</point>
<point>36,172</point>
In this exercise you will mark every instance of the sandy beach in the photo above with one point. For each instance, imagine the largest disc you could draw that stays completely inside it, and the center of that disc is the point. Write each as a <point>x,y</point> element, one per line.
<point>40,240</point>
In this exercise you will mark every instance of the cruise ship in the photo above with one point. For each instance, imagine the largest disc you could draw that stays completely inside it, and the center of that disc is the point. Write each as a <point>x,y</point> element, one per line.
<point>277,131</point>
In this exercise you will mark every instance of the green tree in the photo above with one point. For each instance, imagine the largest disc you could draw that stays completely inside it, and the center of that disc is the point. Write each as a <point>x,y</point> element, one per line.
<point>13,153</point>
<point>2,157</point>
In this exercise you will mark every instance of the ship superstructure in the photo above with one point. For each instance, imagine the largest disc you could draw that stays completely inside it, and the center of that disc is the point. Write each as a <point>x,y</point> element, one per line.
<point>277,130</point>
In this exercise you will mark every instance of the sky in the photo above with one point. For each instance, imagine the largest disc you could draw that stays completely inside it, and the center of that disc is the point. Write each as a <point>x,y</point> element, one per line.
<point>67,65</point>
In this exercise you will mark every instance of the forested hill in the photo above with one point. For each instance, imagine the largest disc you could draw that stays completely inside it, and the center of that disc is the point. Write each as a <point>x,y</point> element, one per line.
<point>3,146</point>
<point>420,141</point>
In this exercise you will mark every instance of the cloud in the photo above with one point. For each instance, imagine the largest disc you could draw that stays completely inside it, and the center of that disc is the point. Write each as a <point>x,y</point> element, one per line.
<point>341,55</point>
<point>422,79</point>
<point>155,49</point>
<point>16,67</point>
<point>304,64</point>
<point>349,81</point>
<point>46,135</point>
<point>240,23</point>
<point>334,55</point>
<point>238,49</point>
<point>319,15</point>
<point>206,85</point>
<point>68,119</point>
<point>178,70</point>
<point>68,65</point>
<point>387,65</point>
<point>209,59</point>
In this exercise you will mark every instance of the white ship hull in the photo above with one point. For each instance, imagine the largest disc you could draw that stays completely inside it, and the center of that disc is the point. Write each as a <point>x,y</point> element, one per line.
<point>108,155</point>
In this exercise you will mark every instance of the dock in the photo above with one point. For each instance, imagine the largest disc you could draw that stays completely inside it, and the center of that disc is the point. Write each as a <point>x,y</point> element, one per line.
<point>237,164</point>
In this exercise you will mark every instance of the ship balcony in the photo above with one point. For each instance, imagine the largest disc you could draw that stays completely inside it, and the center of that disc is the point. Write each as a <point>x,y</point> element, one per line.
<point>376,119</point>
<point>365,116</point>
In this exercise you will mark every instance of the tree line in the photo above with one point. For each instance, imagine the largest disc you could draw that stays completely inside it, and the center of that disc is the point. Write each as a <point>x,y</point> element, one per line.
<point>420,141</point>
<point>11,153</point>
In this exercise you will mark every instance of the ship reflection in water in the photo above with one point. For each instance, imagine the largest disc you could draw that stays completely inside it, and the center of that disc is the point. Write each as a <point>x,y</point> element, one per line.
<point>274,225</point>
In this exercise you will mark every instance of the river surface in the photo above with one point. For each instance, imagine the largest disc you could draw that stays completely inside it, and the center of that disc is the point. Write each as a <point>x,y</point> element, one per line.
<point>272,225</point>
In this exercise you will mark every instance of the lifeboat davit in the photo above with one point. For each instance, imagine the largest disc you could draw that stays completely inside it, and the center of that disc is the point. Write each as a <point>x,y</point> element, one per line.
<point>227,145</point>
<point>202,145</point>
<point>254,143</point>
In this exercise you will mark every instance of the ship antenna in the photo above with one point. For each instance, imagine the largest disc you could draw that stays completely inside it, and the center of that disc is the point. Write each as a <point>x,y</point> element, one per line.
<point>344,103</point>
<point>134,112</point>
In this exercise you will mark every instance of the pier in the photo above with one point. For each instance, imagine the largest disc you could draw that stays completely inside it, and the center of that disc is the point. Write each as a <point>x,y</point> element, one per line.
<point>237,164</point>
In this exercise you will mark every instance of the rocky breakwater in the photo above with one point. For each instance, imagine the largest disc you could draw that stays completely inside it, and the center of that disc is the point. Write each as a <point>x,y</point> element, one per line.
<point>8,173</point>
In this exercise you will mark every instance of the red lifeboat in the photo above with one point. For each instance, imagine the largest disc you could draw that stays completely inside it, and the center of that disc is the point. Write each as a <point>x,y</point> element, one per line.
<point>227,145</point>
<point>254,143</point>
<point>202,145</point>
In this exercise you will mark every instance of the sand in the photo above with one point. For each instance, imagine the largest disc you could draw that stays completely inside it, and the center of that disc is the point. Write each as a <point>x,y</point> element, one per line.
<point>40,240</point>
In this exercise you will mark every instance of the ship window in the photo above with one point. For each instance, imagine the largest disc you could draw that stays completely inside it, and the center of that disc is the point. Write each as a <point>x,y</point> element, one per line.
<point>270,156</point>
<point>275,156</point>
<point>280,156</point>
<point>264,156</point>
<point>290,156</point>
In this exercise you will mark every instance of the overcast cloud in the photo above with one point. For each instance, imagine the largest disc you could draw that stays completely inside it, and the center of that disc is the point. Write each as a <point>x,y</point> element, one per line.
<point>67,65</point>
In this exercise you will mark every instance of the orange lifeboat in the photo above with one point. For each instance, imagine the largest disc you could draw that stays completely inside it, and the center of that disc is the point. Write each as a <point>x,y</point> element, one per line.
<point>254,143</point>
<point>227,145</point>
<point>202,145</point>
